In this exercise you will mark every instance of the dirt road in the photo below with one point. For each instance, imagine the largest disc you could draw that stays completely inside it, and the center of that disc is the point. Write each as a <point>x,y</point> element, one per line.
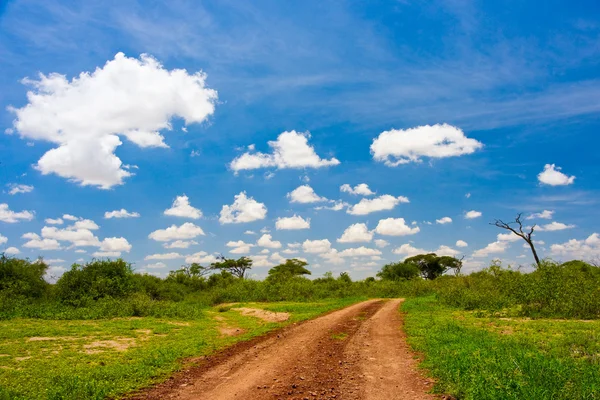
<point>357,353</point>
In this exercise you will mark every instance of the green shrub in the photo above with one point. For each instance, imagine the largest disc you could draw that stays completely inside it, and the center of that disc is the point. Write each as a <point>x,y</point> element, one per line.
<point>20,277</point>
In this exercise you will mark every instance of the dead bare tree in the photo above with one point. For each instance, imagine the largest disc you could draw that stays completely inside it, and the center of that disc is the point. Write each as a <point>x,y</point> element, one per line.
<point>526,236</point>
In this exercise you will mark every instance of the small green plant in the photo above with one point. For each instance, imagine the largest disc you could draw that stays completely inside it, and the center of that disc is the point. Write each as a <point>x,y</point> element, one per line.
<point>339,336</point>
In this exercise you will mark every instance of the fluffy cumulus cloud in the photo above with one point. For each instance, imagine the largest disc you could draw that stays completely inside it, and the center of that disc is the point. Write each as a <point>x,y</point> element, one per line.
<point>444,220</point>
<point>239,247</point>
<point>36,242</point>
<point>546,214</point>
<point>361,189</point>
<point>163,256</point>
<point>588,249</point>
<point>292,223</point>
<point>304,194</point>
<point>122,213</point>
<point>381,243</point>
<point>555,226</point>
<point>179,244</point>
<point>243,209</point>
<point>116,244</point>
<point>266,240</point>
<point>3,239</point>
<point>507,237</point>
<point>186,231</point>
<point>290,150</point>
<point>201,257</point>
<point>356,233</point>
<point>552,176</point>
<point>496,247</point>
<point>54,221</point>
<point>395,227</point>
<point>461,243</point>
<point>361,251</point>
<point>473,214</point>
<point>11,251</point>
<point>399,146</point>
<point>337,206</point>
<point>316,246</point>
<point>7,215</point>
<point>87,116</point>
<point>408,250</point>
<point>182,208</point>
<point>19,188</point>
<point>381,203</point>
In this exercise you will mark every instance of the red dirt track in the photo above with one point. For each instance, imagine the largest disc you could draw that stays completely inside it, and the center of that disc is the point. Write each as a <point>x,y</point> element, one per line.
<point>357,353</point>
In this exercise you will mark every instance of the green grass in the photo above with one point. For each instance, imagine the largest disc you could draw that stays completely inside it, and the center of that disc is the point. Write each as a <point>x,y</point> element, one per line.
<point>80,359</point>
<point>474,357</point>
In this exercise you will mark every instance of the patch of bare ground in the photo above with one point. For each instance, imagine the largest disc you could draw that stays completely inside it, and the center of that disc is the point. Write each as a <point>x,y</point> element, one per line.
<point>265,315</point>
<point>229,330</point>
<point>342,355</point>
<point>120,344</point>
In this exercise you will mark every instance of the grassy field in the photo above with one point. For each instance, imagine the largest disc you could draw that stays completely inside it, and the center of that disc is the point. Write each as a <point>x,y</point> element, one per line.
<point>93,359</point>
<point>475,356</point>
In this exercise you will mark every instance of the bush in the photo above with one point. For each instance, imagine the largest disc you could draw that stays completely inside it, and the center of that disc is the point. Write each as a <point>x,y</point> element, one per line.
<point>22,278</point>
<point>96,280</point>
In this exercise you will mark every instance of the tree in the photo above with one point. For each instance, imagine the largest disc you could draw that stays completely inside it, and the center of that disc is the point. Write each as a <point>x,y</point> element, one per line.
<point>237,267</point>
<point>430,265</point>
<point>398,271</point>
<point>290,268</point>
<point>452,263</point>
<point>526,236</point>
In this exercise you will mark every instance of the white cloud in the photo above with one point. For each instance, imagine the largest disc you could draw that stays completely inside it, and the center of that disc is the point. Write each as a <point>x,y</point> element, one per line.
<point>294,245</point>
<point>289,251</point>
<point>588,249</point>
<point>86,116</point>
<point>179,244</point>
<point>249,233</point>
<point>356,233</point>
<point>35,242</point>
<point>266,241</point>
<point>6,215</point>
<point>472,214</point>
<point>57,221</point>
<point>200,257</point>
<point>361,189</point>
<point>398,146</point>
<point>507,237</point>
<point>407,250</point>
<point>239,247</point>
<point>182,208</point>
<point>361,251</point>
<point>332,257</point>
<point>122,213</point>
<point>395,227</point>
<point>381,203</point>
<point>446,251</point>
<point>243,209</point>
<point>262,261</point>
<point>3,239</point>
<point>290,150</point>
<point>265,251</point>
<point>337,206</point>
<point>163,256</point>
<point>18,188</point>
<point>11,251</point>
<point>444,220</point>
<point>157,265</point>
<point>277,258</point>
<point>492,248</point>
<point>53,260</point>
<point>106,254</point>
<point>546,214</point>
<point>70,217</point>
<point>552,176</point>
<point>461,243</point>
<point>304,194</point>
<point>292,223</point>
<point>316,246</point>
<point>115,244</point>
<point>468,195</point>
<point>554,226</point>
<point>78,237</point>
<point>84,224</point>
<point>186,231</point>
<point>381,243</point>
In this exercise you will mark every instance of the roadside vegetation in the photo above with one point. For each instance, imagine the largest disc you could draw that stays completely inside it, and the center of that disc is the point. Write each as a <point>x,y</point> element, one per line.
<point>103,330</point>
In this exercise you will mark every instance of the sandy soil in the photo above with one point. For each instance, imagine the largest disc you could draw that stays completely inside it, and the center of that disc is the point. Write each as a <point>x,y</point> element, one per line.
<point>357,353</point>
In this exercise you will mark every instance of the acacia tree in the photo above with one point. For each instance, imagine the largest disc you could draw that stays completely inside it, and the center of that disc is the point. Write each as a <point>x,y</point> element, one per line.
<point>236,268</point>
<point>518,230</point>
<point>290,268</point>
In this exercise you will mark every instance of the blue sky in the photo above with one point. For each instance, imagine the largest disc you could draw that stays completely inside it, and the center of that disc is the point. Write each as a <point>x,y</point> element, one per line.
<point>443,109</point>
